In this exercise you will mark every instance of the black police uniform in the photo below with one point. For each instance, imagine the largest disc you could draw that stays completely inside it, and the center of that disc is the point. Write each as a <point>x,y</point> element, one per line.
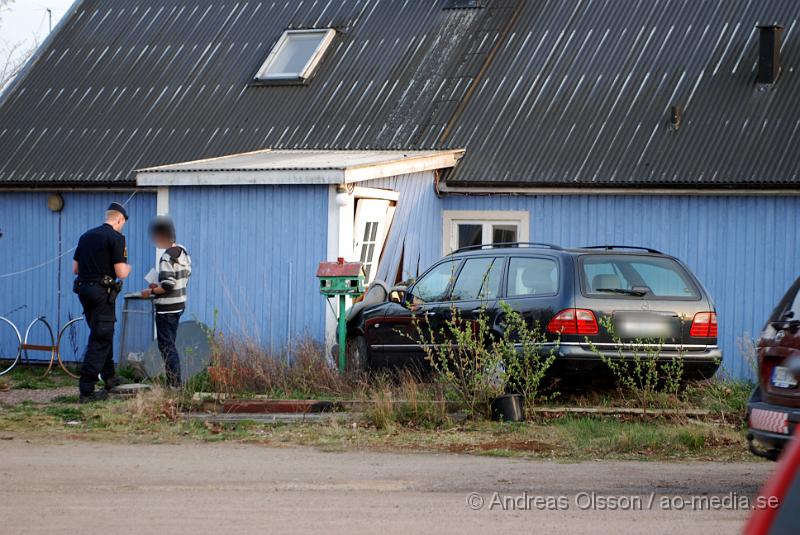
<point>98,250</point>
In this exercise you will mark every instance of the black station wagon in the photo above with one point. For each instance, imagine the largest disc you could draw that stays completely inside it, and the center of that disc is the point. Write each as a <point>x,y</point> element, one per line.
<point>571,294</point>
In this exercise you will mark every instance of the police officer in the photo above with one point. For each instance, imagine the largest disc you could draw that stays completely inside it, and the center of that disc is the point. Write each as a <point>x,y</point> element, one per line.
<point>101,258</point>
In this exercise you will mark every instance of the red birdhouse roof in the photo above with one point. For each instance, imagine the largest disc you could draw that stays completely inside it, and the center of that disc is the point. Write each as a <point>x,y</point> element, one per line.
<point>339,269</point>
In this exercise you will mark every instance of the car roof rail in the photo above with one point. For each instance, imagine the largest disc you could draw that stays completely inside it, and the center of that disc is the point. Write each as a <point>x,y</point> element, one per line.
<point>630,247</point>
<point>508,245</point>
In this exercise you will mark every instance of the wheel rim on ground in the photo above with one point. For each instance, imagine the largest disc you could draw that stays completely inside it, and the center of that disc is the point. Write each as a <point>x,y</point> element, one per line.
<point>72,339</point>
<point>26,342</point>
<point>10,345</point>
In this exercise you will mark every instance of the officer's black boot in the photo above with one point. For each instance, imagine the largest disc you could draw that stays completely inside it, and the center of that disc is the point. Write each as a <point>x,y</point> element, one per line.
<point>99,395</point>
<point>113,383</point>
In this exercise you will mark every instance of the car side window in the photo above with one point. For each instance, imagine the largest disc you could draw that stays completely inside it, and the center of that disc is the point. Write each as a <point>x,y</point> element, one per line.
<point>479,279</point>
<point>432,287</point>
<point>532,277</point>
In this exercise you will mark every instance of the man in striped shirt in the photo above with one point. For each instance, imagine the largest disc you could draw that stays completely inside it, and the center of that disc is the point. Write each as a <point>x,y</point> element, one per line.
<point>174,270</point>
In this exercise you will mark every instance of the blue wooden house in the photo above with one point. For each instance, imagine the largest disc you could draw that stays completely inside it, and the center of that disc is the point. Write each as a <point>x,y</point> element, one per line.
<point>280,134</point>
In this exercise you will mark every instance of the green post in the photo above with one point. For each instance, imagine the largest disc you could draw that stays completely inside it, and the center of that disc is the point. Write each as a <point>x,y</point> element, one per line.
<point>342,332</point>
<point>341,279</point>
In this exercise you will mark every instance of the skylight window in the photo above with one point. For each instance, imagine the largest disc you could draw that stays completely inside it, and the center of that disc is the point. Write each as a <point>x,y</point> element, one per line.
<point>295,56</point>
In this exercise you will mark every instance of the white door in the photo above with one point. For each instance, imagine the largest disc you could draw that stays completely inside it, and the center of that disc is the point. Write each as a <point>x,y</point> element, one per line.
<point>373,217</point>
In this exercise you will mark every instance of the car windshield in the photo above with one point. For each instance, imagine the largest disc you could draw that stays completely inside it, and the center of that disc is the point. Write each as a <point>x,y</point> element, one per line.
<point>636,276</point>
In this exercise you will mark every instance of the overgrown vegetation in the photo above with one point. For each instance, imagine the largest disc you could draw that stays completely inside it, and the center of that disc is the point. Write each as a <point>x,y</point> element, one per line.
<point>522,350</point>
<point>154,417</point>
<point>405,411</point>
<point>641,371</point>
<point>405,401</point>
<point>476,366</point>
<point>465,359</point>
<point>240,366</point>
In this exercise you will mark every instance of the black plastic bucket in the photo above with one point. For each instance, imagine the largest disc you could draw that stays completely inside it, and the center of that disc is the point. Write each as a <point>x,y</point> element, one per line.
<point>508,408</point>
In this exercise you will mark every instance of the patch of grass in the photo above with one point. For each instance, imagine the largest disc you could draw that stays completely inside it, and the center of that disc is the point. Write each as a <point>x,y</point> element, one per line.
<point>33,378</point>
<point>66,399</point>
<point>66,413</point>
<point>727,398</point>
<point>153,419</point>
<point>404,400</point>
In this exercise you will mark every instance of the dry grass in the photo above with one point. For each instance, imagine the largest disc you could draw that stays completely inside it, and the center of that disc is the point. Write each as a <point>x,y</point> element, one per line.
<point>154,406</point>
<point>240,366</point>
<point>404,400</point>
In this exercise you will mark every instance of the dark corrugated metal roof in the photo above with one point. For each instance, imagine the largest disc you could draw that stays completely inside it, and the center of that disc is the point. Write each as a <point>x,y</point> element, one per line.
<point>580,94</point>
<point>130,84</point>
<point>552,92</point>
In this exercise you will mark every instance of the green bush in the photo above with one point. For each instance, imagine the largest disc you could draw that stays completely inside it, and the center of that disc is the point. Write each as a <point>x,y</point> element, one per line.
<point>470,360</point>
<point>521,349</point>
<point>464,360</point>
<point>644,375</point>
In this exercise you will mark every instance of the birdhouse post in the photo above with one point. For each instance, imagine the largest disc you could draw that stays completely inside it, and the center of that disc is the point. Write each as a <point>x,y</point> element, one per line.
<point>341,279</point>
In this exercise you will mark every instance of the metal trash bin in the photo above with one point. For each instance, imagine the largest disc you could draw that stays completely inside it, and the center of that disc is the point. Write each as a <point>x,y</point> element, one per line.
<point>138,329</point>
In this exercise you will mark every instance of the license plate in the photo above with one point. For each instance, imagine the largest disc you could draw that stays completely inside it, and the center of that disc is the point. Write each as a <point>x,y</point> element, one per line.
<point>655,326</point>
<point>783,378</point>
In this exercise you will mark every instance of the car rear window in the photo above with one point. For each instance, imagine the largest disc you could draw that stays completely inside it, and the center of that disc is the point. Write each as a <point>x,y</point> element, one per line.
<point>532,277</point>
<point>636,276</point>
<point>789,306</point>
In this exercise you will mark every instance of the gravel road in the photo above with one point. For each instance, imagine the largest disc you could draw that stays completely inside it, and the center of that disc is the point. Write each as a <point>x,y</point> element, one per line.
<point>86,487</point>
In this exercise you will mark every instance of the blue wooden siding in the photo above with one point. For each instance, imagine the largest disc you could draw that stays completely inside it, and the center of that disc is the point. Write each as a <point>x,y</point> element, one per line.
<point>255,251</point>
<point>411,236</point>
<point>36,253</point>
<point>737,246</point>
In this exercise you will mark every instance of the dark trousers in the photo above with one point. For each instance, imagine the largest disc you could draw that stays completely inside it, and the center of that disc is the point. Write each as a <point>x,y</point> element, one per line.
<point>100,317</point>
<point>167,332</point>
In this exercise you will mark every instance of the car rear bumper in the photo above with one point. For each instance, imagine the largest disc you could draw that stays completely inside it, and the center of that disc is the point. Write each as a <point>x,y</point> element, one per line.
<point>770,427</point>
<point>698,361</point>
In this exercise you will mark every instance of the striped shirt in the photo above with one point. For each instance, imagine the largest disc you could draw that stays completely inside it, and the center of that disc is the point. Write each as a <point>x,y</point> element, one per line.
<point>174,270</point>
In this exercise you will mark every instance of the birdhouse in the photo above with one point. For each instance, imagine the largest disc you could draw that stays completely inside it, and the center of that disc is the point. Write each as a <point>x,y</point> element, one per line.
<point>341,278</point>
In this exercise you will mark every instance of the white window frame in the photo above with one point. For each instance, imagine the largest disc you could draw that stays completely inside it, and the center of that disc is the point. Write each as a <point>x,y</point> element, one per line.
<point>487,218</point>
<point>306,72</point>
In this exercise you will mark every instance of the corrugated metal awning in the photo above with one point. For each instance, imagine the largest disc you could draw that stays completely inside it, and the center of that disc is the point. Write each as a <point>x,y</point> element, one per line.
<point>298,167</point>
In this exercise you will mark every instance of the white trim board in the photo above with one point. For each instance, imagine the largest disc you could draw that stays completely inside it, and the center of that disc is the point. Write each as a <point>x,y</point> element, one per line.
<point>273,167</point>
<point>452,217</point>
<point>677,192</point>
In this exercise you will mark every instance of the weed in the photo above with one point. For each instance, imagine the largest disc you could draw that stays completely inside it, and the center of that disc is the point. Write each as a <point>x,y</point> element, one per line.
<point>154,406</point>
<point>748,348</point>
<point>521,351</point>
<point>640,370</point>
<point>242,366</point>
<point>404,400</point>
<point>725,397</point>
<point>464,360</point>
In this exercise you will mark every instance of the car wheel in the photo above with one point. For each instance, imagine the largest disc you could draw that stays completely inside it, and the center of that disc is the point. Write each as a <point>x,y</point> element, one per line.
<point>357,354</point>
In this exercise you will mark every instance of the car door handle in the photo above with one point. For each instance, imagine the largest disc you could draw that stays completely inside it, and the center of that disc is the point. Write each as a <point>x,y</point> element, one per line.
<point>429,313</point>
<point>478,311</point>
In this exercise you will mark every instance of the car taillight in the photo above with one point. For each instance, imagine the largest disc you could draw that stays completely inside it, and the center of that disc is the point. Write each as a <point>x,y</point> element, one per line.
<point>704,325</point>
<point>573,321</point>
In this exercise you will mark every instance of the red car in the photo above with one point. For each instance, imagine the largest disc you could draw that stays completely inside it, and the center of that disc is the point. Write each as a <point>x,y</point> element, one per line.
<point>774,408</point>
